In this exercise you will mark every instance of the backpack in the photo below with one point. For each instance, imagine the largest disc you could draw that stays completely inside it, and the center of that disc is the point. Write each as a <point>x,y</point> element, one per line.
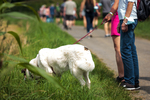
<point>143,9</point>
<point>89,7</point>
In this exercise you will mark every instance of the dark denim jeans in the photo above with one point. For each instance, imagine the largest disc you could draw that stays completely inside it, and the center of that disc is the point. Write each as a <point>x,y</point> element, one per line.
<point>129,54</point>
<point>89,20</point>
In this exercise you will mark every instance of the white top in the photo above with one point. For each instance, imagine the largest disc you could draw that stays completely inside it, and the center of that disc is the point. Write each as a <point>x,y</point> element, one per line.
<point>122,9</point>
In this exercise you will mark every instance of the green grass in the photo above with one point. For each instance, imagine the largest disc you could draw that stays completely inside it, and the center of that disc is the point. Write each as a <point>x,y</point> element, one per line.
<point>141,30</point>
<point>12,85</point>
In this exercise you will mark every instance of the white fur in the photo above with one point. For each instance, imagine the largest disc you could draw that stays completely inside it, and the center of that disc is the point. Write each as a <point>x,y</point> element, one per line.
<point>73,57</point>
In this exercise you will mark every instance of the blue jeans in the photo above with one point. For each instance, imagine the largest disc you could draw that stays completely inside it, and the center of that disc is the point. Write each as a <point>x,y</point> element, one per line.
<point>89,20</point>
<point>129,54</point>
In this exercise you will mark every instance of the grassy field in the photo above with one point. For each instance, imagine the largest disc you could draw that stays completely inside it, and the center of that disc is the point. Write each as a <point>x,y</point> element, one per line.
<point>142,29</point>
<point>13,86</point>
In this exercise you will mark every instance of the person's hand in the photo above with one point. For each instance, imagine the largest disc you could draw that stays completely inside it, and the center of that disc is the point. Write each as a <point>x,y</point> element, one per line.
<point>80,14</point>
<point>118,28</point>
<point>124,27</point>
<point>107,18</point>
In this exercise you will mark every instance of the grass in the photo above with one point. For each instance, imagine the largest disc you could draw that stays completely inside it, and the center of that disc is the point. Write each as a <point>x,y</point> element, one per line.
<point>12,85</point>
<point>141,30</point>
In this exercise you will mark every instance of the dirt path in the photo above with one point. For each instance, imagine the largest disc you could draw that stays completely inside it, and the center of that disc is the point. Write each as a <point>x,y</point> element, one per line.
<point>103,48</point>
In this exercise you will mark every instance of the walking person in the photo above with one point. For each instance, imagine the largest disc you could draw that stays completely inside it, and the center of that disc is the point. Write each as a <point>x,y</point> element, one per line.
<point>106,5</point>
<point>62,14</point>
<point>95,20</point>
<point>69,7</point>
<point>52,12</point>
<point>42,13</point>
<point>113,16</point>
<point>47,14</point>
<point>82,15</point>
<point>90,5</point>
<point>75,16</point>
<point>57,14</point>
<point>128,20</point>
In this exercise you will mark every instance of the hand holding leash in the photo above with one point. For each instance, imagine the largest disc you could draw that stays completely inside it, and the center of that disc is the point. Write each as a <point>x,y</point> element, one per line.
<point>108,17</point>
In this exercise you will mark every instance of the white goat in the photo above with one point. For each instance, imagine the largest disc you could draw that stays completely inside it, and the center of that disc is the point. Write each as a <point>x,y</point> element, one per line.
<point>76,58</point>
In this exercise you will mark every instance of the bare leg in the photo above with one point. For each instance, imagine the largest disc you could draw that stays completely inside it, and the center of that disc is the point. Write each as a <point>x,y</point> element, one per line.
<point>57,20</point>
<point>84,21</point>
<point>93,22</point>
<point>116,41</point>
<point>106,28</point>
<point>109,28</point>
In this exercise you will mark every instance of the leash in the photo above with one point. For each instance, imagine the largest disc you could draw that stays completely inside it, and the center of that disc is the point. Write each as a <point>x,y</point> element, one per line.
<point>90,32</point>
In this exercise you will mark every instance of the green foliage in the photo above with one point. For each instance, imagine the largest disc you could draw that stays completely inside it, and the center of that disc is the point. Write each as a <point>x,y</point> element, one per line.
<point>17,38</point>
<point>142,29</point>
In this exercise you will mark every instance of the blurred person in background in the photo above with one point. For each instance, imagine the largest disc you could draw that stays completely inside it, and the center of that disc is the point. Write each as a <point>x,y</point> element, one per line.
<point>52,12</point>
<point>106,5</point>
<point>74,17</point>
<point>95,20</point>
<point>57,14</point>
<point>89,5</point>
<point>82,15</point>
<point>42,13</point>
<point>69,8</point>
<point>62,14</point>
<point>47,13</point>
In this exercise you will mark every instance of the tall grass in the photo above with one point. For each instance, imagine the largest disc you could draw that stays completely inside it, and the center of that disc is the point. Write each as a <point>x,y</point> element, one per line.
<point>12,85</point>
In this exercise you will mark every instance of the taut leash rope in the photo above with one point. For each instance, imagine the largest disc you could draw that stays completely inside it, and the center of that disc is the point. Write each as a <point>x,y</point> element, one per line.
<point>89,32</point>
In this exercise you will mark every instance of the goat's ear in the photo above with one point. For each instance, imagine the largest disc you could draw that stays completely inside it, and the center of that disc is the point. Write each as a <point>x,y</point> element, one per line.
<point>85,48</point>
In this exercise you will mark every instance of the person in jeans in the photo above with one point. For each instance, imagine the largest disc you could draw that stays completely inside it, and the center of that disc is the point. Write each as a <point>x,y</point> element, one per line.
<point>128,21</point>
<point>90,5</point>
<point>113,16</point>
<point>52,12</point>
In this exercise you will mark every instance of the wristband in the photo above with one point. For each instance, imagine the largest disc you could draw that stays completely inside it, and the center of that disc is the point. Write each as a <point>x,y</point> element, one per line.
<point>111,13</point>
<point>95,7</point>
<point>126,17</point>
<point>125,23</point>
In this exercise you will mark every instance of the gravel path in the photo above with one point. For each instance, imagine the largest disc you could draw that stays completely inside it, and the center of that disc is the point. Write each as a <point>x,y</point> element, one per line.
<point>103,48</point>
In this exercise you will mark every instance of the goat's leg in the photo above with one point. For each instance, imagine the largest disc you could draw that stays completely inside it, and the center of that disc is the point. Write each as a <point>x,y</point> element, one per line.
<point>42,63</point>
<point>79,75</point>
<point>86,76</point>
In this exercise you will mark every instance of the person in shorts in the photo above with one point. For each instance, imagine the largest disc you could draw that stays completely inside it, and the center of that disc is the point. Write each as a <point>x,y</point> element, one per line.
<point>106,5</point>
<point>113,16</point>
<point>69,8</point>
